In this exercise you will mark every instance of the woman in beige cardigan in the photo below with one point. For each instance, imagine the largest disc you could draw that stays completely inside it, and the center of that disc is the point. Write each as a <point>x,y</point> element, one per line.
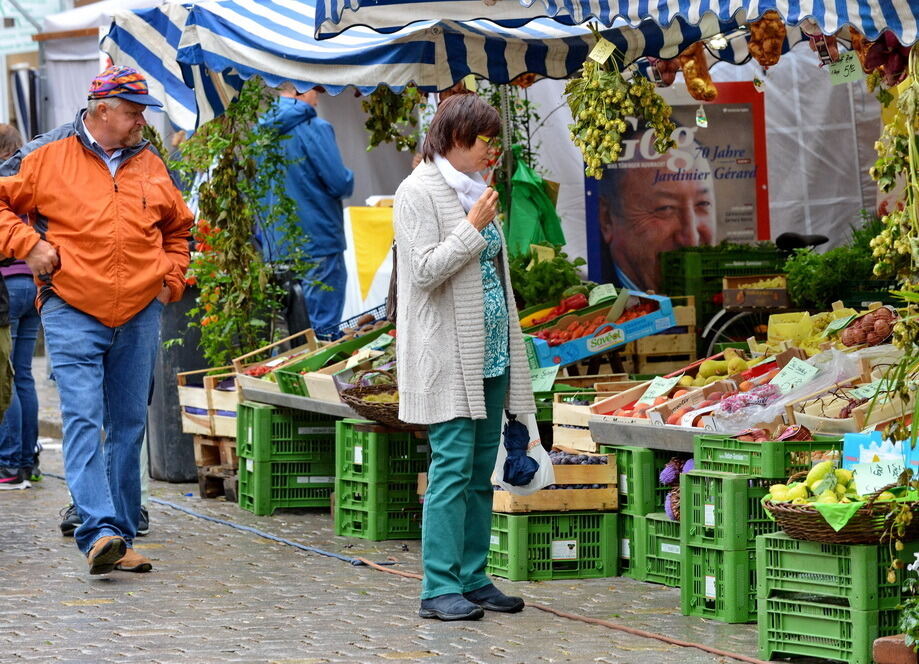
<point>460,351</point>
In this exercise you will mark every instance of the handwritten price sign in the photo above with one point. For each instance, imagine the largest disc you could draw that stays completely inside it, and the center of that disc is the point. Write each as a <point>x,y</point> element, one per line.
<point>846,70</point>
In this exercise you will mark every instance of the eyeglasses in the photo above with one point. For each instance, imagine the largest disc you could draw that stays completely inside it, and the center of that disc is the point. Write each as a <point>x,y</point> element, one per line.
<point>485,139</point>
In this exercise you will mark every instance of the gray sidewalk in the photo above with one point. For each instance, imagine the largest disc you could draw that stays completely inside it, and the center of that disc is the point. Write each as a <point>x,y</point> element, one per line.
<point>219,594</point>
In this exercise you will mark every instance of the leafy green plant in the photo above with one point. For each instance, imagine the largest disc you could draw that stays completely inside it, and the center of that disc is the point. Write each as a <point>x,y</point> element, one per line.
<point>391,117</point>
<point>244,161</point>
<point>815,279</point>
<point>543,281</point>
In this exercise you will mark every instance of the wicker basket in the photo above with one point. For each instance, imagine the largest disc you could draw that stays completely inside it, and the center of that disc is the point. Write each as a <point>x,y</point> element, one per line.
<point>866,526</point>
<point>384,413</point>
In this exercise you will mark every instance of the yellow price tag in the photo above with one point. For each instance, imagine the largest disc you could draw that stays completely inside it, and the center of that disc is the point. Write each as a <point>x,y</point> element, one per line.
<point>601,51</point>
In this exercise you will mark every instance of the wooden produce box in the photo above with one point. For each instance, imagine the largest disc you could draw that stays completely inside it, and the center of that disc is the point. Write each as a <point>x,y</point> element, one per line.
<point>215,451</point>
<point>271,358</point>
<point>321,385</point>
<point>866,415</point>
<point>567,500</point>
<point>589,381</point>
<point>221,402</point>
<point>738,293</point>
<point>193,393</point>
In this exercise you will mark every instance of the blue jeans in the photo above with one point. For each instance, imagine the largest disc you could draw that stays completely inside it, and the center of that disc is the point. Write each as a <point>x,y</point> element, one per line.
<point>103,376</point>
<point>325,306</point>
<point>19,428</point>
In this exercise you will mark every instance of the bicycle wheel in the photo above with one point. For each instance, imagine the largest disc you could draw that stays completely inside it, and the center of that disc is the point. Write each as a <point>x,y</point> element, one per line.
<point>739,327</point>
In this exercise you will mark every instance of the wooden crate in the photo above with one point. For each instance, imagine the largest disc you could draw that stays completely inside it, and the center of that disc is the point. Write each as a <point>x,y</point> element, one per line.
<point>215,451</point>
<point>221,402</point>
<point>217,481</point>
<point>577,438</point>
<point>672,344</point>
<point>662,363</point>
<point>193,393</point>
<point>264,357</point>
<point>567,500</point>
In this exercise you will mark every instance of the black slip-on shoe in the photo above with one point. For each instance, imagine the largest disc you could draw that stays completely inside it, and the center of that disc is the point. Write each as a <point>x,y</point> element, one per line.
<point>492,599</point>
<point>451,606</point>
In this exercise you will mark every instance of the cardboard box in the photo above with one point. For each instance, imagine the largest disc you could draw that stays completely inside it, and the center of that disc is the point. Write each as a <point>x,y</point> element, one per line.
<point>737,295</point>
<point>606,337</point>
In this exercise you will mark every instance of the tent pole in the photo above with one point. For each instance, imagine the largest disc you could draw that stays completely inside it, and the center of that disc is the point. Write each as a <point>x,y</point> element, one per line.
<point>506,134</point>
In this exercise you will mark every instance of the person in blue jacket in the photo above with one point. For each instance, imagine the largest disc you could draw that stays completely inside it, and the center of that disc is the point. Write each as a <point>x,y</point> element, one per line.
<point>317,180</point>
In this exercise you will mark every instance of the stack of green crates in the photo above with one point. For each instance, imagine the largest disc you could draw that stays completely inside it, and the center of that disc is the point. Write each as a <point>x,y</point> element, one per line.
<point>698,271</point>
<point>646,549</point>
<point>543,546</point>
<point>825,600</point>
<point>286,458</point>
<point>376,479</point>
<point>721,515</point>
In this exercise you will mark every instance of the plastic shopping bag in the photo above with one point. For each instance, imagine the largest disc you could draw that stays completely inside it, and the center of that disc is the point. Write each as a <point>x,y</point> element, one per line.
<point>523,466</point>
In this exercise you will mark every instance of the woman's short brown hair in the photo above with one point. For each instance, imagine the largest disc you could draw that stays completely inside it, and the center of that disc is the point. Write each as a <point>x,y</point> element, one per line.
<point>459,119</point>
<point>10,141</point>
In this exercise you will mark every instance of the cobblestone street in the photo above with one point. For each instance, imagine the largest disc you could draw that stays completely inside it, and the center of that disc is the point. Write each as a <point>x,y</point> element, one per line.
<point>221,594</point>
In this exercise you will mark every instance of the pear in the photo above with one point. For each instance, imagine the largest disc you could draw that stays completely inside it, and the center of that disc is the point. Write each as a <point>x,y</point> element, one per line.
<point>799,501</point>
<point>886,495</point>
<point>841,490</point>
<point>828,496</point>
<point>736,365</point>
<point>797,491</point>
<point>819,471</point>
<point>707,369</point>
<point>843,476</point>
<point>685,381</point>
<point>778,488</point>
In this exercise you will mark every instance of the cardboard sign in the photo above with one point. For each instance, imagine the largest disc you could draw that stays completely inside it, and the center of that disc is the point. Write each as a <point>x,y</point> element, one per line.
<point>601,51</point>
<point>601,293</point>
<point>659,386</point>
<point>796,373</point>
<point>359,357</point>
<point>846,70</point>
<point>868,391</point>
<point>871,477</point>
<point>380,342</point>
<point>543,378</point>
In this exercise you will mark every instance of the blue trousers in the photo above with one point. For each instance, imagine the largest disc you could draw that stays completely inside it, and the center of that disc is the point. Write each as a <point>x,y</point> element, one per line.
<point>103,375</point>
<point>456,524</point>
<point>326,300</point>
<point>19,428</point>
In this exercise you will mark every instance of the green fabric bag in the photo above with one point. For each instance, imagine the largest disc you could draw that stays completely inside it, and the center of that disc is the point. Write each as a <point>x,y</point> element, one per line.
<point>532,218</point>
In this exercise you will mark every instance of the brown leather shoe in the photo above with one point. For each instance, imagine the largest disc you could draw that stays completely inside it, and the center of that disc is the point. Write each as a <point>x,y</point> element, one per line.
<point>133,562</point>
<point>105,553</point>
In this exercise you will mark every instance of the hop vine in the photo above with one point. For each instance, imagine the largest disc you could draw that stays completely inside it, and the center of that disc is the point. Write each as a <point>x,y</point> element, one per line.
<point>391,117</point>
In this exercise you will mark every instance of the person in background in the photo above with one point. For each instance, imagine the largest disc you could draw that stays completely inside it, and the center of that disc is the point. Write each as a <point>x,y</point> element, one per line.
<point>317,180</point>
<point>665,204</point>
<point>460,352</point>
<point>108,247</point>
<point>18,439</point>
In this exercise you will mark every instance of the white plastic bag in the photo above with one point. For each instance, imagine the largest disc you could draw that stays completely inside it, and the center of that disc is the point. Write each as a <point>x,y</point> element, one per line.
<point>544,476</point>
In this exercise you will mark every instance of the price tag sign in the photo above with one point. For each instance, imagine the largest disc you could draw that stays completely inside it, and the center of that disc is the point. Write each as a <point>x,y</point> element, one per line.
<point>601,293</point>
<point>871,477</point>
<point>470,83</point>
<point>870,389</point>
<point>846,70</point>
<point>381,342</point>
<point>358,357</point>
<point>543,378</point>
<point>838,325</point>
<point>658,387</point>
<point>602,51</point>
<point>794,374</point>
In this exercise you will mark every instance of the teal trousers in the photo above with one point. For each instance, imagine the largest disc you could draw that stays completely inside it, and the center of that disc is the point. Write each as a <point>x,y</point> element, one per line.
<point>456,525</point>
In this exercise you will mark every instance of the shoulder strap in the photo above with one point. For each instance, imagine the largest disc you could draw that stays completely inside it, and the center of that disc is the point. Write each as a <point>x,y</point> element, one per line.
<point>391,297</point>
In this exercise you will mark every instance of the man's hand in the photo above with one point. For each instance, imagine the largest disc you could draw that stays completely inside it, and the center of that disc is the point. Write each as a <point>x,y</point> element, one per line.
<point>42,260</point>
<point>484,209</point>
<point>164,294</point>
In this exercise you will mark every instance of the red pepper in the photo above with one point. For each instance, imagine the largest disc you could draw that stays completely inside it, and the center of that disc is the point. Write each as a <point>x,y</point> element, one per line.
<point>576,301</point>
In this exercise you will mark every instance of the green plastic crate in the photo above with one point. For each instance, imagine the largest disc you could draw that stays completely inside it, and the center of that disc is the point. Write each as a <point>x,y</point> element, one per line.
<point>640,492</point>
<point>557,545</point>
<point>369,452</point>
<point>272,433</point>
<point>718,585</point>
<point>809,626</point>
<point>376,496</point>
<point>632,539</point>
<point>378,525</point>
<point>663,550</point>
<point>772,459</point>
<point>265,486</point>
<point>722,510</point>
<point>856,573</point>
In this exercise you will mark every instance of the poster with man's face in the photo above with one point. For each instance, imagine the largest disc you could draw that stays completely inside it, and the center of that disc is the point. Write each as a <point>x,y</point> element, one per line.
<point>709,188</point>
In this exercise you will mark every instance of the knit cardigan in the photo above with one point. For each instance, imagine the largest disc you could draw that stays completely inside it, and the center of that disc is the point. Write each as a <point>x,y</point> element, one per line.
<point>441,344</point>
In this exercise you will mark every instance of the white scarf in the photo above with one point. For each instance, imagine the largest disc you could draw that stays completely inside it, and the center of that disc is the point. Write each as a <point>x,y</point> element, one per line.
<point>468,187</point>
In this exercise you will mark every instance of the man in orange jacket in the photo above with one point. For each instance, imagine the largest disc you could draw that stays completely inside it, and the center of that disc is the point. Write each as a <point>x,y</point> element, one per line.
<point>107,243</point>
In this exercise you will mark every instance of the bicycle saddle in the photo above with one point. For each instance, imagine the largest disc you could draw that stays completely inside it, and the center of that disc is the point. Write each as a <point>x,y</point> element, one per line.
<point>790,241</point>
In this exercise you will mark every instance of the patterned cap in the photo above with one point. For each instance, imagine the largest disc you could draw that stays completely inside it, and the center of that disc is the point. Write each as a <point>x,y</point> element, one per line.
<point>123,82</point>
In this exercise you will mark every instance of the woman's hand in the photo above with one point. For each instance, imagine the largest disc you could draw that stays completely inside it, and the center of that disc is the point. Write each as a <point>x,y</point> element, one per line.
<point>484,209</point>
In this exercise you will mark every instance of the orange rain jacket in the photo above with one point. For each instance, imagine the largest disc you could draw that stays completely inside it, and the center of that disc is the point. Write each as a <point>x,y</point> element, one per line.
<point>119,239</point>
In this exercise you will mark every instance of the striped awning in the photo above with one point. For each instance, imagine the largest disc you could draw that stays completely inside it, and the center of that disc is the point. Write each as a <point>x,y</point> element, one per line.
<point>199,55</point>
<point>870,17</point>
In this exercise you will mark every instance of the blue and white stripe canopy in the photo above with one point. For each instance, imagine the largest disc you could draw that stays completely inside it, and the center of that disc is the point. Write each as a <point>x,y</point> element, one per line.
<point>870,17</point>
<point>197,56</point>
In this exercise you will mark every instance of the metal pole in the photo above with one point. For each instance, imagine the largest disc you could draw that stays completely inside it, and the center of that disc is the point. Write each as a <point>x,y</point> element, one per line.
<point>506,134</point>
<point>26,15</point>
